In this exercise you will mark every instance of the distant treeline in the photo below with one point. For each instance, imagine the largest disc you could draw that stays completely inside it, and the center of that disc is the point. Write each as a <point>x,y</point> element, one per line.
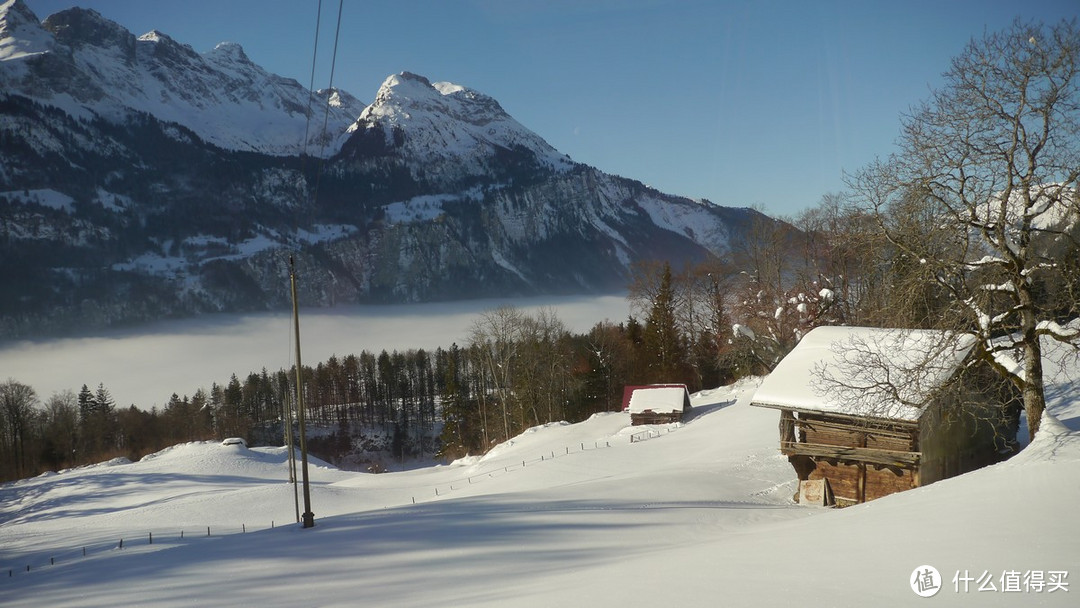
<point>516,371</point>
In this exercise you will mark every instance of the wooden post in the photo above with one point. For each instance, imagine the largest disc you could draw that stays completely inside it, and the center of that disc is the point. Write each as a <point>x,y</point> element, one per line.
<point>787,428</point>
<point>861,493</point>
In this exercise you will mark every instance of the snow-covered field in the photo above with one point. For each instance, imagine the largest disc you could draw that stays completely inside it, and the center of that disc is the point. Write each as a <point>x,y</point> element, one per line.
<point>563,515</point>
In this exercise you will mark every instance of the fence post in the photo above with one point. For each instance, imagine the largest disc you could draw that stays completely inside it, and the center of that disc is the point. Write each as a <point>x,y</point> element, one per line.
<point>151,538</point>
<point>243,528</point>
<point>208,530</point>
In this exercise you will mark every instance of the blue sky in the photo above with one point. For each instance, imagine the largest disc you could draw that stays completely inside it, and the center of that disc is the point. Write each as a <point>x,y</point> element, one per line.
<point>744,103</point>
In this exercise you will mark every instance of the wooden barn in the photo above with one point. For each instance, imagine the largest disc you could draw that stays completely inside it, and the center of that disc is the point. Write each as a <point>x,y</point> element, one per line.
<point>656,403</point>
<point>867,412</point>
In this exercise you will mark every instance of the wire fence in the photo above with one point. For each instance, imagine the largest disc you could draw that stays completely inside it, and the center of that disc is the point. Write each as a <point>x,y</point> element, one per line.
<point>44,559</point>
<point>646,434</point>
<point>466,481</point>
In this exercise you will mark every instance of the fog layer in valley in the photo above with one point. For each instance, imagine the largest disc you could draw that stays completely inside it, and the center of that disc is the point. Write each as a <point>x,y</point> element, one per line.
<point>145,366</point>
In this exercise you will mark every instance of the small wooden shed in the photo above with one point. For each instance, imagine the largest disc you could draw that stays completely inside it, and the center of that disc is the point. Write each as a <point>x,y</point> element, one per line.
<point>656,403</point>
<point>870,412</point>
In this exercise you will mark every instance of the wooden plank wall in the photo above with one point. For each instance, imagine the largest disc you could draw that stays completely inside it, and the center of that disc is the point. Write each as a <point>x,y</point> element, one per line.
<point>879,481</point>
<point>824,431</point>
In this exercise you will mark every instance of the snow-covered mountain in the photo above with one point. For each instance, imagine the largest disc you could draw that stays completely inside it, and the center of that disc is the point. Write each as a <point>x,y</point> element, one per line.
<point>87,65</point>
<point>444,128</point>
<point>141,179</point>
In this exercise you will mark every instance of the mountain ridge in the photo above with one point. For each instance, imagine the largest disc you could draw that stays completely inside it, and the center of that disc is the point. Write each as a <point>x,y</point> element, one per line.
<point>125,198</point>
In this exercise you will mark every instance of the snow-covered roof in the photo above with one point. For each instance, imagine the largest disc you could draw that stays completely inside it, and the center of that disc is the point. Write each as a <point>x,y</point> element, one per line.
<point>659,399</point>
<point>862,371</point>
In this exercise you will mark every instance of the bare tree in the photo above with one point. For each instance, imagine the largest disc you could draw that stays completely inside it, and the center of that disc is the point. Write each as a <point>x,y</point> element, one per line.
<point>495,338</point>
<point>984,189</point>
<point>61,427</point>
<point>17,402</point>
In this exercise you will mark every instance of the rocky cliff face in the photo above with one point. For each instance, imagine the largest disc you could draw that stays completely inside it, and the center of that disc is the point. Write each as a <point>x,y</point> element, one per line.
<point>141,179</point>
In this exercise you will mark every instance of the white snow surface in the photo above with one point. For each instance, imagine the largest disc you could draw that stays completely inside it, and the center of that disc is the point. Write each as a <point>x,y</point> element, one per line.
<point>852,370</point>
<point>45,197</point>
<point>564,514</point>
<point>418,209</point>
<point>695,222</point>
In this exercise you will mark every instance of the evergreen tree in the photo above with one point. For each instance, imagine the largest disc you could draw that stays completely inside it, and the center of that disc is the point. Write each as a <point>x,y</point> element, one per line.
<point>103,401</point>
<point>459,435</point>
<point>664,350</point>
<point>86,403</point>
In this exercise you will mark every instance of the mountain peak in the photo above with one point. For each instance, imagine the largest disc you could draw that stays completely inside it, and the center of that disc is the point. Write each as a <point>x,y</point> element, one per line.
<point>80,27</point>
<point>230,51</point>
<point>414,77</point>
<point>20,32</point>
<point>452,129</point>
<point>14,13</point>
<point>406,93</point>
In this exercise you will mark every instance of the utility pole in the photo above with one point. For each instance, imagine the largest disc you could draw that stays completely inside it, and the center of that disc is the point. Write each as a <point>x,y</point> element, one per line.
<point>308,517</point>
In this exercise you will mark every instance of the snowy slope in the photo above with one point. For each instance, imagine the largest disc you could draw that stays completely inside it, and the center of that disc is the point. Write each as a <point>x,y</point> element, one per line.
<point>20,35</point>
<point>562,515</point>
